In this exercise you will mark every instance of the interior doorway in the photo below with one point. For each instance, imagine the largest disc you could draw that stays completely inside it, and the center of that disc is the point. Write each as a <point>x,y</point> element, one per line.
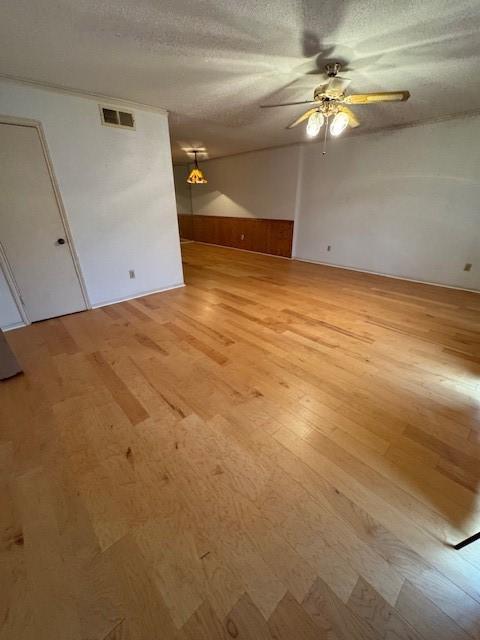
<point>36,246</point>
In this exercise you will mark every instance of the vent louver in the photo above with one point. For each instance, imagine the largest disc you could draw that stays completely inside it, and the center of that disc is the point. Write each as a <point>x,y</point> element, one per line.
<point>114,118</point>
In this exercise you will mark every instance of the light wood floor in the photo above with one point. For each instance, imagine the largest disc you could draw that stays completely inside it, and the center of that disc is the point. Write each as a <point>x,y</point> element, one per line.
<point>278,450</point>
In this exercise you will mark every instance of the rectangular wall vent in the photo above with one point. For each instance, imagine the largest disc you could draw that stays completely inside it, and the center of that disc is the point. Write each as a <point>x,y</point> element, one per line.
<point>114,118</point>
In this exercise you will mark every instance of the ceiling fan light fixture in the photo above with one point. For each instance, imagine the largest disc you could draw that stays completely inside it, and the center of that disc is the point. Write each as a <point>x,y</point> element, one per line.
<point>330,105</point>
<point>314,124</point>
<point>196,175</point>
<point>339,123</point>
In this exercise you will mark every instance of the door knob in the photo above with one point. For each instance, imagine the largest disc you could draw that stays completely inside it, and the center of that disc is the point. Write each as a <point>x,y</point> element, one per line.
<point>61,241</point>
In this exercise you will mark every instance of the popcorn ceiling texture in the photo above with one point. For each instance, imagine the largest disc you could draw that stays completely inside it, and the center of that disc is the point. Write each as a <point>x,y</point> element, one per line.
<point>212,63</point>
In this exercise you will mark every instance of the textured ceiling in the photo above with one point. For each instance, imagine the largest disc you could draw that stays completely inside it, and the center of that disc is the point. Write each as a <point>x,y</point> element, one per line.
<point>212,63</point>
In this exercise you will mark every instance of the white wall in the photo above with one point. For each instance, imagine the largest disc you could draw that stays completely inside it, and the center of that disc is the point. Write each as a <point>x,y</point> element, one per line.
<point>182,189</point>
<point>260,184</point>
<point>402,202</point>
<point>117,189</point>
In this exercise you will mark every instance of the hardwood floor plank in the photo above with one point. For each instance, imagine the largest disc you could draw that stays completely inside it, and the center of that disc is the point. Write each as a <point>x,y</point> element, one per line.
<point>203,625</point>
<point>245,622</point>
<point>130,405</point>
<point>430,622</point>
<point>147,342</point>
<point>59,339</point>
<point>197,344</point>
<point>291,620</point>
<point>331,614</point>
<point>129,590</point>
<point>134,310</point>
<point>368,605</point>
<point>49,578</point>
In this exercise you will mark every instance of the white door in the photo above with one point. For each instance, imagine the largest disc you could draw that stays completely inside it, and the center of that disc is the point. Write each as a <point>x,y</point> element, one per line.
<point>31,229</point>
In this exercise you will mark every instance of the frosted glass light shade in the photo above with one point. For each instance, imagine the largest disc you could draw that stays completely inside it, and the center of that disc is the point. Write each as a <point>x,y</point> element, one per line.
<point>339,123</point>
<point>314,124</point>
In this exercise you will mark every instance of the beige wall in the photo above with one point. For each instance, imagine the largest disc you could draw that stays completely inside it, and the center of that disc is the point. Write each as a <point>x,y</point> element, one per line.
<point>403,203</point>
<point>182,189</point>
<point>260,184</point>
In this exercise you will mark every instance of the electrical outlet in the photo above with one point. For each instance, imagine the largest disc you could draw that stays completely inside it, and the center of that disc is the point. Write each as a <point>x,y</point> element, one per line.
<point>468,266</point>
<point>131,273</point>
<point>242,237</point>
<point>329,248</point>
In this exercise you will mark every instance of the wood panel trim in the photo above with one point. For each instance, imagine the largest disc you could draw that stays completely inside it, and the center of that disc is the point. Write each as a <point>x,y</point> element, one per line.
<point>185,226</point>
<point>263,235</point>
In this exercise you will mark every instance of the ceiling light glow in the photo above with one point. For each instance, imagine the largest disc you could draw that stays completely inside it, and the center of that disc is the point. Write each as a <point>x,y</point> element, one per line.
<point>314,124</point>
<point>339,123</point>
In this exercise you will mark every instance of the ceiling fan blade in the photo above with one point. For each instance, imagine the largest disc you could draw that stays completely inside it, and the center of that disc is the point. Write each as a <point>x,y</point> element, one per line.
<point>303,117</point>
<point>287,104</point>
<point>371,98</point>
<point>336,86</point>
<point>352,118</point>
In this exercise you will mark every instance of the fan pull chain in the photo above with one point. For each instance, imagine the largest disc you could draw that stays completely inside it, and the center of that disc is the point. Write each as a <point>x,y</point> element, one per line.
<point>324,152</point>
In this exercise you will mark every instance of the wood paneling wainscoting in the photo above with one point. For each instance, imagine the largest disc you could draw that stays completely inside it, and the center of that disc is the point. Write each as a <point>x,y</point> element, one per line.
<point>254,234</point>
<point>185,225</point>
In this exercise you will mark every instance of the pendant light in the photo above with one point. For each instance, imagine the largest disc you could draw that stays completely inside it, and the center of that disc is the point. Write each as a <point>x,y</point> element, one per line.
<point>196,174</point>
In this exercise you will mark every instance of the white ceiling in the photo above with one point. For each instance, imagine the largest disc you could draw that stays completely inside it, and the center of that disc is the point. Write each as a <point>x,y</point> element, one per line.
<point>212,63</point>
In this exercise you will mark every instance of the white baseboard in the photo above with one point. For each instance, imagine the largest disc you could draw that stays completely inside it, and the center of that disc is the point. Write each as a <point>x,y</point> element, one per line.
<point>106,303</point>
<point>15,325</point>
<point>19,325</point>
<point>386,275</point>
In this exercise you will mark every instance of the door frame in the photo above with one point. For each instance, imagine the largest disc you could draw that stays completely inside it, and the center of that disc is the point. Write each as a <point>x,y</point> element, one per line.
<point>4,264</point>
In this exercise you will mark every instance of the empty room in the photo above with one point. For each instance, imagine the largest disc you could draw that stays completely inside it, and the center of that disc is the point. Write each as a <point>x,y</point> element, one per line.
<point>240,320</point>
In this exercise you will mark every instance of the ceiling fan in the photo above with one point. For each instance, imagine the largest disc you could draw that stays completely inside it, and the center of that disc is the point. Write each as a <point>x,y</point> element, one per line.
<point>331,102</point>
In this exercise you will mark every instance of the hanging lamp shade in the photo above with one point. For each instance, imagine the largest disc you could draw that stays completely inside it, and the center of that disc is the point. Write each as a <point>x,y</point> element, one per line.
<point>196,174</point>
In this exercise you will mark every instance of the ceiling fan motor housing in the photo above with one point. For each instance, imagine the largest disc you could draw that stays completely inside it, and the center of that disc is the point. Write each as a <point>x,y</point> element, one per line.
<point>332,69</point>
<point>319,94</point>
